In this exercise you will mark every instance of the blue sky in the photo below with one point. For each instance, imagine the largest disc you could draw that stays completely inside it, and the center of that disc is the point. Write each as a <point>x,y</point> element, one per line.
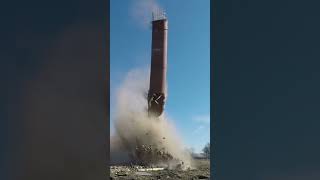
<point>188,104</point>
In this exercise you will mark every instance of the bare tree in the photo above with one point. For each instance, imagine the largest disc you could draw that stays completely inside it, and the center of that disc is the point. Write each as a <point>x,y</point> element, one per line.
<point>206,150</point>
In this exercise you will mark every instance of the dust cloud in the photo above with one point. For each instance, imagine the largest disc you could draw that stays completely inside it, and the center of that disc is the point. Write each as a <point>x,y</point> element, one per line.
<point>139,138</point>
<point>141,11</point>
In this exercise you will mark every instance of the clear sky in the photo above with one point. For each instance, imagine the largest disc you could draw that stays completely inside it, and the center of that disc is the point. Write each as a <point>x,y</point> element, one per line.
<point>188,104</point>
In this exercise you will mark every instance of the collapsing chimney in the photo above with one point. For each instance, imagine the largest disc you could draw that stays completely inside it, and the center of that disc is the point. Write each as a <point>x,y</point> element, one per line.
<point>157,89</point>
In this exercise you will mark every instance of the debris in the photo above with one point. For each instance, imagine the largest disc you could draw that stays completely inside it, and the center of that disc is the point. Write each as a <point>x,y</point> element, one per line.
<point>133,171</point>
<point>143,173</point>
<point>151,169</point>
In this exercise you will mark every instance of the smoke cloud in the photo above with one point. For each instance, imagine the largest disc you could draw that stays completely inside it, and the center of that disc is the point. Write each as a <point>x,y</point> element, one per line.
<point>134,127</point>
<point>141,11</point>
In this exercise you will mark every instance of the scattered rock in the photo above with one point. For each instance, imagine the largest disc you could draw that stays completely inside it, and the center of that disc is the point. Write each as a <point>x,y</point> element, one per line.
<point>200,171</point>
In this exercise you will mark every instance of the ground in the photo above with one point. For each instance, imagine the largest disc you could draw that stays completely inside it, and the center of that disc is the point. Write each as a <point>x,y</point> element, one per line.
<point>202,171</point>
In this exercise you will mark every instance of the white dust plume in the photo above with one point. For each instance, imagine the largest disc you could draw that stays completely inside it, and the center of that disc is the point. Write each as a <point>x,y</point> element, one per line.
<point>157,138</point>
<point>141,11</point>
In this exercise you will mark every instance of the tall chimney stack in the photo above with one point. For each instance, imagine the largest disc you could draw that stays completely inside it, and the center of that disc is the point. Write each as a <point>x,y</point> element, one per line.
<point>158,73</point>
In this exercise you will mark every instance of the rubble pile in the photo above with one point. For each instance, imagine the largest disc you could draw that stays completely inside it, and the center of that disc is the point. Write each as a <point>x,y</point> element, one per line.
<point>154,156</point>
<point>148,154</point>
<point>153,172</point>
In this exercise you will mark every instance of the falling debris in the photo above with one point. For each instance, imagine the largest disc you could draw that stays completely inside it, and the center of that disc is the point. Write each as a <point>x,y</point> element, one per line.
<point>141,139</point>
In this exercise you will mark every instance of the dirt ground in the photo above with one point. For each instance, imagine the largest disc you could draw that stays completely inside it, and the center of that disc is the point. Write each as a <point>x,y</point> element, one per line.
<point>202,171</point>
